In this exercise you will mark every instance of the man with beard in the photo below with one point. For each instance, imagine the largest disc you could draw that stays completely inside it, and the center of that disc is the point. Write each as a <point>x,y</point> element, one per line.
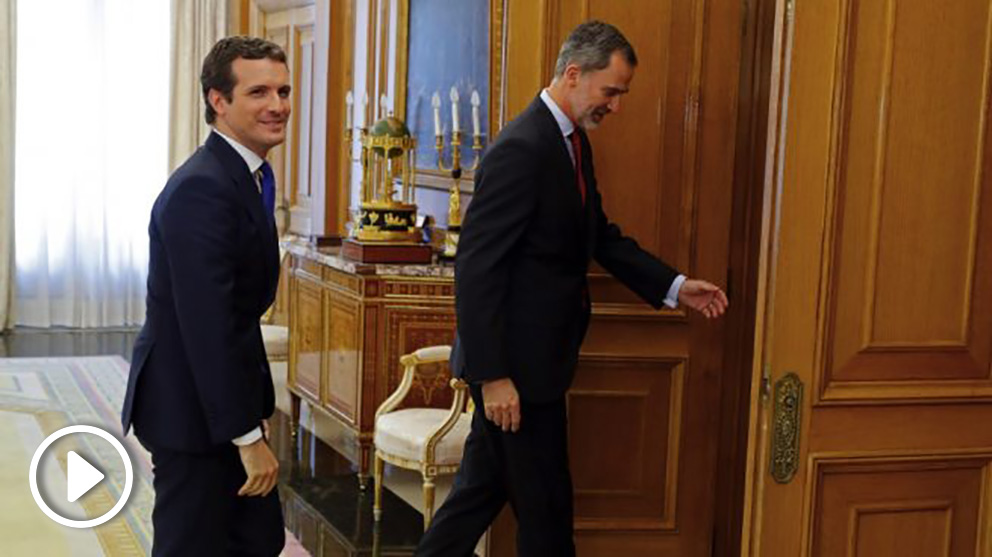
<point>522,302</point>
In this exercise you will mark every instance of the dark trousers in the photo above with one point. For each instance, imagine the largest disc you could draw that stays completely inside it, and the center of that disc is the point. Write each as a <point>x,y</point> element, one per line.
<point>528,469</point>
<point>198,510</point>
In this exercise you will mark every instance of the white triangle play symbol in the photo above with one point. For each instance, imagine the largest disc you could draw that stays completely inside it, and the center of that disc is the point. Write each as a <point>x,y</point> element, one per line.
<point>82,476</point>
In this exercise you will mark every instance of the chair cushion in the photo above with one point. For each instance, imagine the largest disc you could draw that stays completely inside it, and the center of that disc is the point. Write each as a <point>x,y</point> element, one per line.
<point>276,340</point>
<point>404,433</point>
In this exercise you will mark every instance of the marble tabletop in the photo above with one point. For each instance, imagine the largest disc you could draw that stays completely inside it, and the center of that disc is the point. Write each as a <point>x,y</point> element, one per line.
<point>331,257</point>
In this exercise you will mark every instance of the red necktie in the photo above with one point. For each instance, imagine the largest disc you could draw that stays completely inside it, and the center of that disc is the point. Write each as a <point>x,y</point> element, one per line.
<point>580,181</point>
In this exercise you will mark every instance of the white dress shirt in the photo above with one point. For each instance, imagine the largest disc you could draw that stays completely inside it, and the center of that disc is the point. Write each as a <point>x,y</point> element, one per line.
<point>567,127</point>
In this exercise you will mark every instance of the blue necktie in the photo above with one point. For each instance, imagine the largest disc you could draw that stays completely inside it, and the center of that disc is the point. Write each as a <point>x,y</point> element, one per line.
<point>268,190</point>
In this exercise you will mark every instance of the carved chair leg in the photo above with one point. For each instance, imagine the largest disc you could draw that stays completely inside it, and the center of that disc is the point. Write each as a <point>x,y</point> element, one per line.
<point>377,509</point>
<point>428,500</point>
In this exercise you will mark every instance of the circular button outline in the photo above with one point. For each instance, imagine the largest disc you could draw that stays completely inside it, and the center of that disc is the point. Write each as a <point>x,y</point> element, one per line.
<point>33,476</point>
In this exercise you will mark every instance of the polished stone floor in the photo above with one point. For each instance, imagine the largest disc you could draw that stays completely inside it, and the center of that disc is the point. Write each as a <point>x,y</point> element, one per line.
<point>323,504</point>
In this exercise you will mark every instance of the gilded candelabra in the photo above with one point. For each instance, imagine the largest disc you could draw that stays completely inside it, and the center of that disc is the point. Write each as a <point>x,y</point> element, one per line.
<point>456,168</point>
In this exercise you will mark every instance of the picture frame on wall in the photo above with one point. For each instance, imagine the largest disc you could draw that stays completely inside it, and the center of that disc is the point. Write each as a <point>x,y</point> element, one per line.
<point>448,44</point>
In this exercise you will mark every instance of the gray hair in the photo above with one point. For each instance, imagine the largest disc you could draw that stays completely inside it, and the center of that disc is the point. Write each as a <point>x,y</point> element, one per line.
<point>590,46</point>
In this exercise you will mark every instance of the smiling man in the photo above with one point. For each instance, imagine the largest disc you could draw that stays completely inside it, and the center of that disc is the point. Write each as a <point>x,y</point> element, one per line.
<point>523,306</point>
<point>200,389</point>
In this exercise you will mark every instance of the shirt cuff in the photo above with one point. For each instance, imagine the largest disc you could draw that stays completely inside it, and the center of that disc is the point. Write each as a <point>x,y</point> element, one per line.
<point>672,298</point>
<point>248,438</point>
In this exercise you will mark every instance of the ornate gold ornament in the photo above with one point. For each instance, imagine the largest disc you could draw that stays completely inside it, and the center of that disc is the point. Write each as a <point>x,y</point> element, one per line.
<point>786,427</point>
<point>388,212</point>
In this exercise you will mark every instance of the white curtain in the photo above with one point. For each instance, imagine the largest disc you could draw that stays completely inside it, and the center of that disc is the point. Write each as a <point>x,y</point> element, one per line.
<point>196,26</point>
<point>8,59</point>
<point>92,154</point>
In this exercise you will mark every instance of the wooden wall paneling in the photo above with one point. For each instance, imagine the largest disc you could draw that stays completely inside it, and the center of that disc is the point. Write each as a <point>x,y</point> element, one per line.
<point>891,191</point>
<point>238,17</point>
<point>527,68</point>
<point>625,438</point>
<point>877,281</point>
<point>336,166</point>
<point>907,507</point>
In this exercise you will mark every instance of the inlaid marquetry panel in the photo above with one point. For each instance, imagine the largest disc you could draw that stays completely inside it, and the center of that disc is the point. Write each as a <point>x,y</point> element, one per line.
<point>307,334</point>
<point>909,272</point>
<point>907,508</point>
<point>414,289</point>
<point>624,418</point>
<point>340,280</point>
<point>341,388</point>
<point>408,329</point>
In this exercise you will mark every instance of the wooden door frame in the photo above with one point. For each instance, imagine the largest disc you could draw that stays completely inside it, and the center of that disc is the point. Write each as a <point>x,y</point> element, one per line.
<point>745,282</point>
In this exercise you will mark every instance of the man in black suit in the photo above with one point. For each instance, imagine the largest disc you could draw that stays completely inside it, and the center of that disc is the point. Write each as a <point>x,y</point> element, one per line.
<point>523,306</point>
<point>200,389</point>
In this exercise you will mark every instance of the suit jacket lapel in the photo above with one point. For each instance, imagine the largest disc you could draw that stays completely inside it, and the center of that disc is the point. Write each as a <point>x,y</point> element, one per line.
<point>248,195</point>
<point>566,168</point>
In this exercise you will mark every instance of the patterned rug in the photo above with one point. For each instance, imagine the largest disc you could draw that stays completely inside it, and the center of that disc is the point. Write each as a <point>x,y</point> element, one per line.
<point>41,395</point>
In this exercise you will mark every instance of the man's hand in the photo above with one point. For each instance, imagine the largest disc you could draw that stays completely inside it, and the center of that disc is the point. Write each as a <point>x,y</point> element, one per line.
<point>502,403</point>
<point>261,466</point>
<point>704,297</point>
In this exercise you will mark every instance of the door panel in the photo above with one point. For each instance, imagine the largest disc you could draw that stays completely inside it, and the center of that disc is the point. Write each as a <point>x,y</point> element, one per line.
<point>879,283</point>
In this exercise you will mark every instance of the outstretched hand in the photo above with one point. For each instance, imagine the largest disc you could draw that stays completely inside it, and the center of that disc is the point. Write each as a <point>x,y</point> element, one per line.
<point>704,297</point>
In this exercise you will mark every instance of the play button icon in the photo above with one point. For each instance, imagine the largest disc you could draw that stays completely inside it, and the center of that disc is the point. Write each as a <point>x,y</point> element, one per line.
<point>81,476</point>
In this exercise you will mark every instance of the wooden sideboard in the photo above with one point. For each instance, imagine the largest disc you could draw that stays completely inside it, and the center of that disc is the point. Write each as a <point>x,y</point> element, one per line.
<point>349,324</point>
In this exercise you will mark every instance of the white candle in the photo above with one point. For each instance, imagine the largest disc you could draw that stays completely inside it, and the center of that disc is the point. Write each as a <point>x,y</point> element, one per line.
<point>436,103</point>
<point>475,113</point>
<point>365,109</point>
<point>455,128</point>
<point>349,113</point>
<point>383,106</point>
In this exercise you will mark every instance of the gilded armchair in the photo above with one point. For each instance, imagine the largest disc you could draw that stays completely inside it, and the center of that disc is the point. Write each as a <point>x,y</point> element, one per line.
<point>429,440</point>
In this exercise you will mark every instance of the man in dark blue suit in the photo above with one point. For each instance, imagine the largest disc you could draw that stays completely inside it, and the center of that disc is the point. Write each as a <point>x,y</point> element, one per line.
<point>522,299</point>
<point>200,389</point>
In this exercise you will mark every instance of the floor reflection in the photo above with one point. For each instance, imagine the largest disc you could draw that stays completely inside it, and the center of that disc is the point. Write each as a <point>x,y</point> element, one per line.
<point>326,510</point>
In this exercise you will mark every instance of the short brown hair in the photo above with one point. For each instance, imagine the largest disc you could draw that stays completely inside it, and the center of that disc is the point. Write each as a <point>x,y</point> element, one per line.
<point>217,73</point>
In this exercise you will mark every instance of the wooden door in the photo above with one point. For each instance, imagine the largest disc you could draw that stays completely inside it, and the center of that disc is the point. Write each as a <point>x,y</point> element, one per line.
<point>645,407</point>
<point>872,429</point>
